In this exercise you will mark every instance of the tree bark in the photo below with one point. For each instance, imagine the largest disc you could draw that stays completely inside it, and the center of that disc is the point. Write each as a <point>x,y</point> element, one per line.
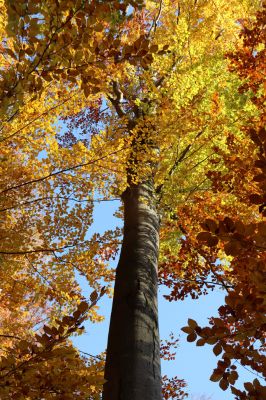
<point>133,354</point>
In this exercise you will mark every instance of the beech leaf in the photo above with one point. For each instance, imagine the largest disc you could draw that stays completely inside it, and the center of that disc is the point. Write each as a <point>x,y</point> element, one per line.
<point>93,296</point>
<point>200,342</point>
<point>83,307</point>
<point>192,323</point>
<point>223,384</point>
<point>187,329</point>
<point>192,337</point>
<point>217,349</point>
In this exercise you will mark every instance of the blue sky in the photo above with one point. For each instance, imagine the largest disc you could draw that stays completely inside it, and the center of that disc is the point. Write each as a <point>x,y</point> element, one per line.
<point>194,364</point>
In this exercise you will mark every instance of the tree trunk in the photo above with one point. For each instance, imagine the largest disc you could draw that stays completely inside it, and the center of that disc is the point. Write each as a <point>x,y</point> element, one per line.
<point>133,354</point>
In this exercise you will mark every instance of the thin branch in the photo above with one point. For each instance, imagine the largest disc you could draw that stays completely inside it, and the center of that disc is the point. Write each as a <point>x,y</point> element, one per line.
<point>35,119</point>
<point>11,337</point>
<point>219,278</point>
<point>91,355</point>
<point>155,21</point>
<point>36,250</point>
<point>35,65</point>
<point>51,198</point>
<point>177,161</point>
<point>195,189</point>
<point>61,171</point>
<point>203,282</point>
<point>35,326</point>
<point>39,273</point>
<point>200,162</point>
<point>249,370</point>
<point>159,82</point>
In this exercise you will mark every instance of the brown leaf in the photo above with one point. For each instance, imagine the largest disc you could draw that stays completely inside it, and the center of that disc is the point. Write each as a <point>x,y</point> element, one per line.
<point>232,248</point>
<point>223,384</point>
<point>208,238</point>
<point>217,349</point>
<point>192,337</point>
<point>93,296</point>
<point>83,307</point>
<point>232,377</point>
<point>201,342</point>
<point>248,386</point>
<point>213,241</point>
<point>204,236</point>
<point>47,330</point>
<point>211,340</point>
<point>86,91</point>
<point>229,224</point>
<point>255,199</point>
<point>76,314</point>
<point>216,376</point>
<point>209,225</point>
<point>259,178</point>
<point>192,323</point>
<point>154,48</point>
<point>187,329</point>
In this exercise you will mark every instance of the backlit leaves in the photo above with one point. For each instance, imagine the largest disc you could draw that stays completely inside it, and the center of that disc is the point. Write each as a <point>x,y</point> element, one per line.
<point>238,335</point>
<point>29,361</point>
<point>139,94</point>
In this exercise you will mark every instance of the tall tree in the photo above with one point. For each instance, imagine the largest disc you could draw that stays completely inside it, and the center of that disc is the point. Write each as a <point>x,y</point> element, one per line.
<point>41,252</point>
<point>159,102</point>
<point>151,101</point>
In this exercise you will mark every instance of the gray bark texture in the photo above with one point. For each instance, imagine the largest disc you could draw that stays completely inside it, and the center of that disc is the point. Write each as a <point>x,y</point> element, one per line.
<point>133,354</point>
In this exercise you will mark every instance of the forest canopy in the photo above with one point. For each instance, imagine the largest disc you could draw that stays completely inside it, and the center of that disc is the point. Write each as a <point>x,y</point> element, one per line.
<point>160,104</point>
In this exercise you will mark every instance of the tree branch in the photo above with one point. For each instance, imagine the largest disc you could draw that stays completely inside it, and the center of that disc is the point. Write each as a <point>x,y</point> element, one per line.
<point>35,119</point>
<point>156,19</point>
<point>117,100</point>
<point>60,171</point>
<point>55,198</point>
<point>11,337</point>
<point>36,250</point>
